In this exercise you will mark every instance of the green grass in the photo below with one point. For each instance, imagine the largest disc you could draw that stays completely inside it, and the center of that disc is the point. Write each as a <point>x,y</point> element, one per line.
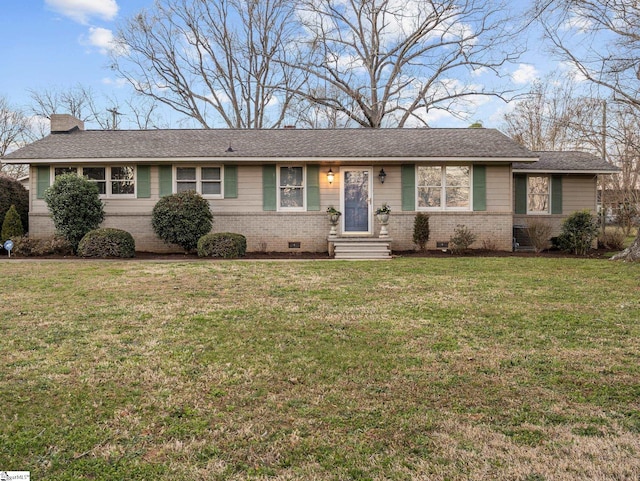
<point>433,369</point>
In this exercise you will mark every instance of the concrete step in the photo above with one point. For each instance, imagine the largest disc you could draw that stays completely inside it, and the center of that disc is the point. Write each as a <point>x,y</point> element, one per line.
<point>362,249</point>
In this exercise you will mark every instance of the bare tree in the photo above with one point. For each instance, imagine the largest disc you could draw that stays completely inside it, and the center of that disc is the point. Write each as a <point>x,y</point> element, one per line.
<point>212,60</point>
<point>600,38</point>
<point>554,116</point>
<point>15,131</point>
<point>393,61</point>
<point>78,101</point>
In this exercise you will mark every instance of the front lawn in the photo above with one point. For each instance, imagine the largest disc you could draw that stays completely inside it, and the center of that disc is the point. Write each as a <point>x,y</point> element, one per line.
<point>417,368</point>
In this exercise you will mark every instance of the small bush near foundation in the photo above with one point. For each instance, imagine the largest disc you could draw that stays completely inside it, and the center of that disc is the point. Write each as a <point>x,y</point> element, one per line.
<point>612,239</point>
<point>182,219</point>
<point>52,246</point>
<point>421,230</point>
<point>12,225</point>
<point>490,245</point>
<point>579,230</point>
<point>222,244</point>
<point>461,240</point>
<point>107,243</point>
<point>539,232</point>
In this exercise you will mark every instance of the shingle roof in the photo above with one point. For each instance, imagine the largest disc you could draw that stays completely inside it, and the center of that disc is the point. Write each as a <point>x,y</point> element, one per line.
<point>275,144</point>
<point>568,161</point>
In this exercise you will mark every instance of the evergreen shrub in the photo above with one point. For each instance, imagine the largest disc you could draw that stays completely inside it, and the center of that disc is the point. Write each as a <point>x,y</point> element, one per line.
<point>222,244</point>
<point>107,242</point>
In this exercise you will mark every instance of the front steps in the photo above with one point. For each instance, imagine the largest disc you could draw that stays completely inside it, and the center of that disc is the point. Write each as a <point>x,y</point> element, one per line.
<point>360,248</point>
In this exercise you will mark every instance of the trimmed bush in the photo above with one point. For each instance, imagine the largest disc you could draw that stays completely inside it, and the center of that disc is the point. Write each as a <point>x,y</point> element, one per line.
<point>12,192</point>
<point>461,240</point>
<point>222,244</point>
<point>75,206</point>
<point>421,230</point>
<point>579,230</point>
<point>182,219</point>
<point>56,245</point>
<point>12,225</point>
<point>107,242</point>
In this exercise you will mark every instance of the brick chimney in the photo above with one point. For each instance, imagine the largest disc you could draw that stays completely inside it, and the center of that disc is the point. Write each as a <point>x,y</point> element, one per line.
<point>64,123</point>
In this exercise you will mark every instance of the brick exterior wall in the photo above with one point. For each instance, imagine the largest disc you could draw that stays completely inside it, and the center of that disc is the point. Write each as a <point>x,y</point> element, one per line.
<point>273,231</point>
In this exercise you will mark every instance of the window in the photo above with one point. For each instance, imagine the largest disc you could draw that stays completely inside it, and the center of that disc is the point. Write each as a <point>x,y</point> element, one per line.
<point>111,181</point>
<point>97,175</point>
<point>291,186</point>
<point>444,187</point>
<point>206,181</point>
<point>122,180</point>
<point>538,194</point>
<point>64,170</point>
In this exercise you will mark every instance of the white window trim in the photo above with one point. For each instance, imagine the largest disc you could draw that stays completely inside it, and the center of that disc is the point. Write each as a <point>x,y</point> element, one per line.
<point>107,173</point>
<point>198,179</point>
<point>549,196</point>
<point>443,190</point>
<point>303,187</point>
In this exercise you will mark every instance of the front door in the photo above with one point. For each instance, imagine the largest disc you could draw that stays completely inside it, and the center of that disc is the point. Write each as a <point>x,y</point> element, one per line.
<point>356,200</point>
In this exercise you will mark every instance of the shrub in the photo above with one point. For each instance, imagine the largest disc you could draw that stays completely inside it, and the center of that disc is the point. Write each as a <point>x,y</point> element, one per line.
<point>539,232</point>
<point>75,206</point>
<point>107,242</point>
<point>612,239</point>
<point>222,244</point>
<point>579,230</point>
<point>461,240</point>
<point>12,225</point>
<point>12,192</point>
<point>56,245</point>
<point>421,230</point>
<point>182,219</point>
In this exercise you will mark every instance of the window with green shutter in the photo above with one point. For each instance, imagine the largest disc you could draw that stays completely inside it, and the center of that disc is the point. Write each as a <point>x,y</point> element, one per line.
<point>165,178</point>
<point>143,173</point>
<point>556,194</point>
<point>479,188</point>
<point>43,180</point>
<point>408,179</point>
<point>520,194</point>
<point>269,188</point>
<point>231,181</point>
<point>313,187</point>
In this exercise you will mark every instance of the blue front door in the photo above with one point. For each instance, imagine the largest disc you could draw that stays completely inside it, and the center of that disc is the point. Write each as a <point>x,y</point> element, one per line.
<point>356,200</point>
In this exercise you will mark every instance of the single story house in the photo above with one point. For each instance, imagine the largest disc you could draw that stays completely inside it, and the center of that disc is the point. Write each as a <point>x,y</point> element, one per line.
<point>275,186</point>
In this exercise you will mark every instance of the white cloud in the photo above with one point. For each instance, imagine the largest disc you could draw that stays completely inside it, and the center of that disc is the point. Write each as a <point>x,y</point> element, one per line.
<point>99,37</point>
<point>525,74</point>
<point>82,10</point>
<point>117,82</point>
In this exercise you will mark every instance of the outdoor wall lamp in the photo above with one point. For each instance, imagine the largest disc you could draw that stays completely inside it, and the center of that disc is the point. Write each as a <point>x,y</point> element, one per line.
<point>382,175</point>
<point>330,176</point>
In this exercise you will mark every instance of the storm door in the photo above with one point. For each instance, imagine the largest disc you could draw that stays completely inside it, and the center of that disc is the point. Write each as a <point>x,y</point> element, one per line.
<point>356,200</point>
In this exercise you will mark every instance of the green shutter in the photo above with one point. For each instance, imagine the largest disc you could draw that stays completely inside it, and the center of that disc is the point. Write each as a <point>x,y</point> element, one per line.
<point>43,179</point>
<point>408,174</point>
<point>231,181</point>
<point>143,189</point>
<point>556,194</point>
<point>269,187</point>
<point>479,188</point>
<point>313,187</point>
<point>520,186</point>
<point>165,175</point>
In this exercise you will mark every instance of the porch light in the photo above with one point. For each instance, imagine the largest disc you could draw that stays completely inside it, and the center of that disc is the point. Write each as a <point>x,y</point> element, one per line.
<point>330,176</point>
<point>382,175</point>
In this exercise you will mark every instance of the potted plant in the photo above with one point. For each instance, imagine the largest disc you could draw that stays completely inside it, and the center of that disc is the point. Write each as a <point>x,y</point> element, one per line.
<point>334,217</point>
<point>382,213</point>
